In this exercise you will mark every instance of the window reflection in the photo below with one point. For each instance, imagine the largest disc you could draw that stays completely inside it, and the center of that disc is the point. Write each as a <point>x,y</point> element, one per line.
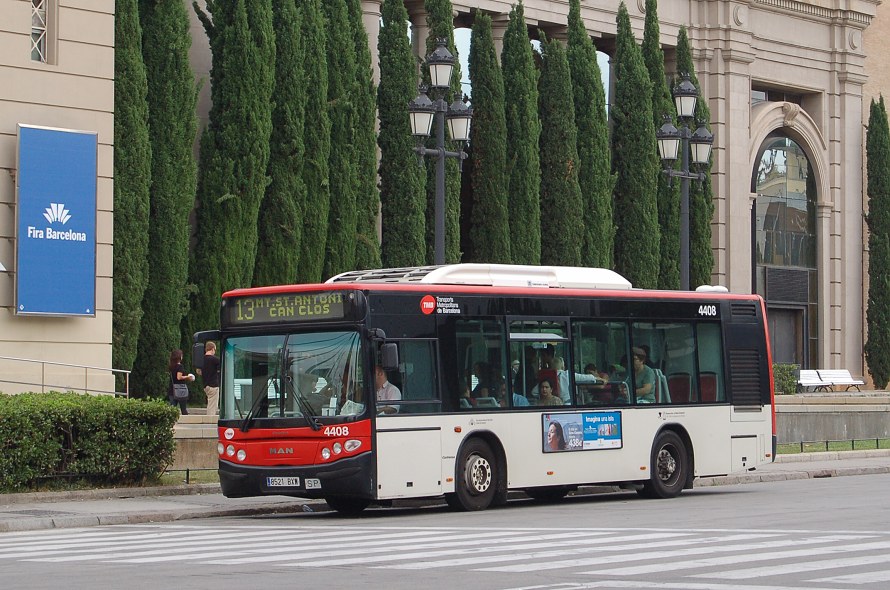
<point>786,205</point>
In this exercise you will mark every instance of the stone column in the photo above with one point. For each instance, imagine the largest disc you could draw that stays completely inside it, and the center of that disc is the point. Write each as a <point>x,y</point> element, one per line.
<point>371,19</point>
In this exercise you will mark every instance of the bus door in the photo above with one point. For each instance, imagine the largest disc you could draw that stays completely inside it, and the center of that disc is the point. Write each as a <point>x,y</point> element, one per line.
<point>409,441</point>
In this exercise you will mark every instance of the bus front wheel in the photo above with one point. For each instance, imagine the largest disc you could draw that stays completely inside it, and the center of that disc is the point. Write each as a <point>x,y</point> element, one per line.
<point>669,466</point>
<point>348,506</point>
<point>476,477</point>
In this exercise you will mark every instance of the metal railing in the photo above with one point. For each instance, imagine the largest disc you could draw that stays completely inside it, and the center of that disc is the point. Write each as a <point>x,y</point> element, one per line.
<point>68,387</point>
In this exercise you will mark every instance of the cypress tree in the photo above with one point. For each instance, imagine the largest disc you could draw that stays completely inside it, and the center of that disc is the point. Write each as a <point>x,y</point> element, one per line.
<point>234,158</point>
<point>595,176</point>
<point>402,181</point>
<point>132,181</point>
<point>343,179</point>
<point>281,211</point>
<point>367,198</point>
<point>877,149</point>
<point>635,161</point>
<point>701,196</point>
<point>172,126</point>
<point>562,225</point>
<point>440,20</point>
<point>317,142</point>
<point>523,134</point>
<point>490,229</point>
<point>668,199</point>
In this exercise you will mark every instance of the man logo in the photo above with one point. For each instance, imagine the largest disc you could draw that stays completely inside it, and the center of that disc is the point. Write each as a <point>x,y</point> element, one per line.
<point>57,212</point>
<point>281,451</point>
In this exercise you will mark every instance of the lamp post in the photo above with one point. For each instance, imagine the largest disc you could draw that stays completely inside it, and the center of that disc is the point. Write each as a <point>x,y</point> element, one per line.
<point>423,113</point>
<point>670,142</point>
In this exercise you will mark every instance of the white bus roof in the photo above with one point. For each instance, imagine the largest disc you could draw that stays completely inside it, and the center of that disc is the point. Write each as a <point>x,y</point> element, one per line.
<point>492,275</point>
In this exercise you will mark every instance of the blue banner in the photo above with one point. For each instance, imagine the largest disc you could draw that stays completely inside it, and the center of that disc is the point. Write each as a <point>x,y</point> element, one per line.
<point>56,227</point>
<point>582,431</point>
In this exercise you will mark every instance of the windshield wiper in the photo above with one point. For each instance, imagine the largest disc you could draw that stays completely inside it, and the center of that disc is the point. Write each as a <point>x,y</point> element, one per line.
<point>245,424</point>
<point>304,405</point>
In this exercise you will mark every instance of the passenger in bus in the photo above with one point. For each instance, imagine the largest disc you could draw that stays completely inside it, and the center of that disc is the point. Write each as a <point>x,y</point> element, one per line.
<point>519,401</point>
<point>386,391</point>
<point>590,369</point>
<point>644,378</point>
<point>548,398</point>
<point>563,377</point>
<point>482,372</point>
<point>556,439</point>
<point>525,380</point>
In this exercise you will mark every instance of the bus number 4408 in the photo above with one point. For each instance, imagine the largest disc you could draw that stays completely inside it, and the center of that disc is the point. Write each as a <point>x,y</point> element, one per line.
<point>336,431</point>
<point>709,310</point>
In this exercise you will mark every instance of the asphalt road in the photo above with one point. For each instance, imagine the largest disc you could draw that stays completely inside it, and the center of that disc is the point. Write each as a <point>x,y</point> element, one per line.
<point>823,533</point>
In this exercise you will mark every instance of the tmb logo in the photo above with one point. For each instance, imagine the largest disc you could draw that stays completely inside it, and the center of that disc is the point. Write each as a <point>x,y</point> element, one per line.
<point>57,212</point>
<point>428,304</point>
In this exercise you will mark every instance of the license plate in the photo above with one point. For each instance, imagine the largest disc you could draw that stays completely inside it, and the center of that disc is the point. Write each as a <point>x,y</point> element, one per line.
<point>313,484</point>
<point>283,482</point>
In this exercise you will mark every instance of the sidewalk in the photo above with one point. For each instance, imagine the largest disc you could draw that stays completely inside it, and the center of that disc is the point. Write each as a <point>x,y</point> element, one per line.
<point>51,510</point>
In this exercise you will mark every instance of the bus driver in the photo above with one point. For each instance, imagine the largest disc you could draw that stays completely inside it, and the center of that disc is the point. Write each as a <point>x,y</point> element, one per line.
<point>385,391</point>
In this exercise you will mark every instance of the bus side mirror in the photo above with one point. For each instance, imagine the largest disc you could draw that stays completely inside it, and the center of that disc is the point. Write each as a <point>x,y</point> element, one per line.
<point>389,356</point>
<point>199,338</point>
<point>198,355</point>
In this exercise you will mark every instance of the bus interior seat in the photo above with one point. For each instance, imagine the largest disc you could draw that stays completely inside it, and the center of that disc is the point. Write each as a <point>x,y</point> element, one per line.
<point>707,382</point>
<point>486,402</point>
<point>680,385</point>
<point>465,403</point>
<point>662,393</point>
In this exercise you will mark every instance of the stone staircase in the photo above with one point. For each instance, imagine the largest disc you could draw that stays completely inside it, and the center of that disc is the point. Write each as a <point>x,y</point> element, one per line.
<point>195,436</point>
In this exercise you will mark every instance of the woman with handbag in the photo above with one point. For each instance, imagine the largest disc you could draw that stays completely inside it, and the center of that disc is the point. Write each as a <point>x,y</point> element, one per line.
<point>178,393</point>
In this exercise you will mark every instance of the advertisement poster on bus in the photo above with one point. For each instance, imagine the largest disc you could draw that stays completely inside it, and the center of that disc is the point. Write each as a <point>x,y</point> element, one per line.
<point>581,431</point>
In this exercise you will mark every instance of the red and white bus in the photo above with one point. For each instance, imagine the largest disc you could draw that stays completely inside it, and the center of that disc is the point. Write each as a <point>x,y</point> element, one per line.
<point>471,380</point>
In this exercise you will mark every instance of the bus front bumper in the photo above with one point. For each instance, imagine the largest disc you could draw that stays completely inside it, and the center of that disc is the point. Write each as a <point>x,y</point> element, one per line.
<point>353,477</point>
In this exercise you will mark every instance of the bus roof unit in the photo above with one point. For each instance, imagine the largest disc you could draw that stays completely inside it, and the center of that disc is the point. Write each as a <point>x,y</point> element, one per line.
<point>492,275</point>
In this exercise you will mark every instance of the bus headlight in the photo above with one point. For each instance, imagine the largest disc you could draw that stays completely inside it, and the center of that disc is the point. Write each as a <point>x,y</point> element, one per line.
<point>352,445</point>
<point>326,453</point>
<point>230,450</point>
<point>337,448</point>
<point>220,448</point>
<point>242,455</point>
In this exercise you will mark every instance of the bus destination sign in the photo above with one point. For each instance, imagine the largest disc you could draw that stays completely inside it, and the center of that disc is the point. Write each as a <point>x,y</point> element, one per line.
<point>272,309</point>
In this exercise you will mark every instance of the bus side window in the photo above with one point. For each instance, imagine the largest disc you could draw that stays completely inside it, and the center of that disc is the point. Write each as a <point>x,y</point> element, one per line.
<point>483,365</point>
<point>710,363</point>
<point>416,377</point>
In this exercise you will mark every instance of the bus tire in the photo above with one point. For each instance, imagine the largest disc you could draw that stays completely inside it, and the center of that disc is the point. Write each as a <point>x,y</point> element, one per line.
<point>476,477</point>
<point>347,506</point>
<point>669,467</point>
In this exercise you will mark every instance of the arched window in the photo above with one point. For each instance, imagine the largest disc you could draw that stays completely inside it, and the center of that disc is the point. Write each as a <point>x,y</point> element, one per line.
<point>784,247</point>
<point>786,205</point>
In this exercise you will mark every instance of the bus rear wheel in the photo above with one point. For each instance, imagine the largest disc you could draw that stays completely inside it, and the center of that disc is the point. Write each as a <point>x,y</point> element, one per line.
<point>347,506</point>
<point>476,477</point>
<point>669,466</point>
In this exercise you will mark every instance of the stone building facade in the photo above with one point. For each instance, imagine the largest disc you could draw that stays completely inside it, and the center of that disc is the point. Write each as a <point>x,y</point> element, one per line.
<point>788,83</point>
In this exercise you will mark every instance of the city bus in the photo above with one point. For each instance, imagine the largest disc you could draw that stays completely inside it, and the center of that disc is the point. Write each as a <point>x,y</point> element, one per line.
<point>469,381</point>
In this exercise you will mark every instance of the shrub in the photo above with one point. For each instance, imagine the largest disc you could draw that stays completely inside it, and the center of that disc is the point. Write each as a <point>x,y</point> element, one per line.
<point>785,378</point>
<point>104,440</point>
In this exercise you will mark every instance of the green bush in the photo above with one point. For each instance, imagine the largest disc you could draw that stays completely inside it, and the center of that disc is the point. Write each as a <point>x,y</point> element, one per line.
<point>104,440</point>
<point>785,378</point>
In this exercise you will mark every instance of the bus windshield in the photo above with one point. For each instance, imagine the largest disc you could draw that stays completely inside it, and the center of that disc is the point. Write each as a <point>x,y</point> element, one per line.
<point>296,375</point>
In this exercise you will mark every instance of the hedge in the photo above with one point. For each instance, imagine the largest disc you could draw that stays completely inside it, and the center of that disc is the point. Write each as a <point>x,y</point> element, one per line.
<point>100,439</point>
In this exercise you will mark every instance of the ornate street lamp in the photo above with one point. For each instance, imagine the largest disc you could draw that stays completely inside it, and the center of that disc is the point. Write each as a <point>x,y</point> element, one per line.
<point>423,113</point>
<point>673,141</point>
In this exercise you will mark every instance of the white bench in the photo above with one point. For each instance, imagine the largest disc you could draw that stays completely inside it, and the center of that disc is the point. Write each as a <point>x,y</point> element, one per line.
<point>840,377</point>
<point>811,378</point>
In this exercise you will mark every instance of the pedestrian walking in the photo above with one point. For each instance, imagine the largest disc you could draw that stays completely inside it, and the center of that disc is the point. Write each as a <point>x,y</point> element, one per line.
<point>178,393</point>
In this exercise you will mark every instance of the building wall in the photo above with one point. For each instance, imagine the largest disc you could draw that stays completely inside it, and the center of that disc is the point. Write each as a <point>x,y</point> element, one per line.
<point>75,90</point>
